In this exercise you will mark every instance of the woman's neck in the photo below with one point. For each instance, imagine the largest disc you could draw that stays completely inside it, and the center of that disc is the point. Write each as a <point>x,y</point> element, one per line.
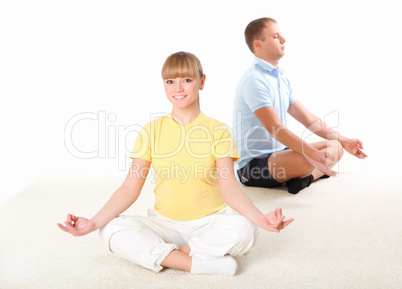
<point>185,116</point>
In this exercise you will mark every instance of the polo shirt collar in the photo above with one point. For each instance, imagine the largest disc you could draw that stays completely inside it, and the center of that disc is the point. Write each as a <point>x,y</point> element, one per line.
<point>266,66</point>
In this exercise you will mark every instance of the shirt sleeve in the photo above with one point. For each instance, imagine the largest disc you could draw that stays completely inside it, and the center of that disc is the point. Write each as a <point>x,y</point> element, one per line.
<point>256,93</point>
<point>224,144</point>
<point>142,146</point>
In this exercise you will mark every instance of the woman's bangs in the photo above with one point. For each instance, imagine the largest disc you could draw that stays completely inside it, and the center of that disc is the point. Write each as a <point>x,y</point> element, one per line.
<point>181,67</point>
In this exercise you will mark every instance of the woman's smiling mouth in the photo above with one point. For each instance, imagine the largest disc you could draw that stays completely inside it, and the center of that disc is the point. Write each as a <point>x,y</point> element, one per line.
<point>179,97</point>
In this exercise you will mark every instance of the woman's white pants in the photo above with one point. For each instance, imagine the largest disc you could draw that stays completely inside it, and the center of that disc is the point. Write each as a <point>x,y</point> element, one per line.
<point>147,241</point>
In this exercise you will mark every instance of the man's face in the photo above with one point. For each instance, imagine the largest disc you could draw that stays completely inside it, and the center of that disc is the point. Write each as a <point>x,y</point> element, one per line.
<point>273,46</point>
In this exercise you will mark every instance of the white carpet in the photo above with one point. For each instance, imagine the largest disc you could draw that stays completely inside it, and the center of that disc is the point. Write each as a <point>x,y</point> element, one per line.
<point>346,234</point>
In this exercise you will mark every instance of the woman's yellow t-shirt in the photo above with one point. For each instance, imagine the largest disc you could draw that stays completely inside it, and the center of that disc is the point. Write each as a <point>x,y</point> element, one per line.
<point>183,159</point>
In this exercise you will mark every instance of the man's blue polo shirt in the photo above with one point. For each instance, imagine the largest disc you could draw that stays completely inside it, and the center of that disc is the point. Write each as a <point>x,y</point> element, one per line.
<point>260,86</point>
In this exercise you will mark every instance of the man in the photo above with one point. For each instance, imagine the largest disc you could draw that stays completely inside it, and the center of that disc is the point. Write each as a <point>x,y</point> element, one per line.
<point>270,153</point>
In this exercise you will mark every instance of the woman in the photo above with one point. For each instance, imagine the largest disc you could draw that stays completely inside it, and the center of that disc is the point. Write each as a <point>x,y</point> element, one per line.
<point>192,155</point>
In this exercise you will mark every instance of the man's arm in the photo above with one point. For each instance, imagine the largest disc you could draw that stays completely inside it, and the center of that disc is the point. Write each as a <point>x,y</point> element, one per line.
<point>312,122</point>
<point>271,121</point>
<point>316,125</point>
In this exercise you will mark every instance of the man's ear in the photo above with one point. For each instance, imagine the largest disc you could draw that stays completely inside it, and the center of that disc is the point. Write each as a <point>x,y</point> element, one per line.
<point>257,43</point>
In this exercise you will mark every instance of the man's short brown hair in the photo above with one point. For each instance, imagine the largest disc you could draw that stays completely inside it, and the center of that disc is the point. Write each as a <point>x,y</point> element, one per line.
<point>254,31</point>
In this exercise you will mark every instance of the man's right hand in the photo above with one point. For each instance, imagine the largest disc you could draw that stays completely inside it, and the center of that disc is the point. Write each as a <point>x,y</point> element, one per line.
<point>321,160</point>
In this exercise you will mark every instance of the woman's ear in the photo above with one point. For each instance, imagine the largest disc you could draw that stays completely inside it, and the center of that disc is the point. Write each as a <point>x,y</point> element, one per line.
<point>202,81</point>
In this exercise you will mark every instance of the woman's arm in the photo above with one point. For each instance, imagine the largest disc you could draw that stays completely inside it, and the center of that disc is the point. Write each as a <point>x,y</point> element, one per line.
<point>236,198</point>
<point>120,201</point>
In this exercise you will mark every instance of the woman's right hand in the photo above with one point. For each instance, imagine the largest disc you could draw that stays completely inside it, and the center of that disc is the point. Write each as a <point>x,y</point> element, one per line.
<point>77,226</point>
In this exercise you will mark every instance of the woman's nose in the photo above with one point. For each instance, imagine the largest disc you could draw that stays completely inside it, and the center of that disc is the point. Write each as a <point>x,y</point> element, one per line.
<point>178,86</point>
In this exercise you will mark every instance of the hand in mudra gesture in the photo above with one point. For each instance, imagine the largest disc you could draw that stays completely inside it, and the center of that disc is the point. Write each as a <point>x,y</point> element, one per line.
<point>274,221</point>
<point>77,226</point>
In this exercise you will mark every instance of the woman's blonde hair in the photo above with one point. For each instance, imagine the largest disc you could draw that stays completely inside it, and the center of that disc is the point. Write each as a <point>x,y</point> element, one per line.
<point>182,64</point>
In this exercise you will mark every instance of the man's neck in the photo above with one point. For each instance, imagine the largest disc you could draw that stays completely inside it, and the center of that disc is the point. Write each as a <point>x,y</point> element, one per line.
<point>273,62</point>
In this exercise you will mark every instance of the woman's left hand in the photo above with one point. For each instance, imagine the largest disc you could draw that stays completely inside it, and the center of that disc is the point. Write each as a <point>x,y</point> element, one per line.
<point>274,221</point>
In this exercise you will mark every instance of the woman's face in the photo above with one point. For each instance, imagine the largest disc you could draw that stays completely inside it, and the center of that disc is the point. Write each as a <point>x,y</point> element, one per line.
<point>182,92</point>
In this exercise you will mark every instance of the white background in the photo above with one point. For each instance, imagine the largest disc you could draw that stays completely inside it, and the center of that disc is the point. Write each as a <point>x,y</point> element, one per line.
<point>66,59</point>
